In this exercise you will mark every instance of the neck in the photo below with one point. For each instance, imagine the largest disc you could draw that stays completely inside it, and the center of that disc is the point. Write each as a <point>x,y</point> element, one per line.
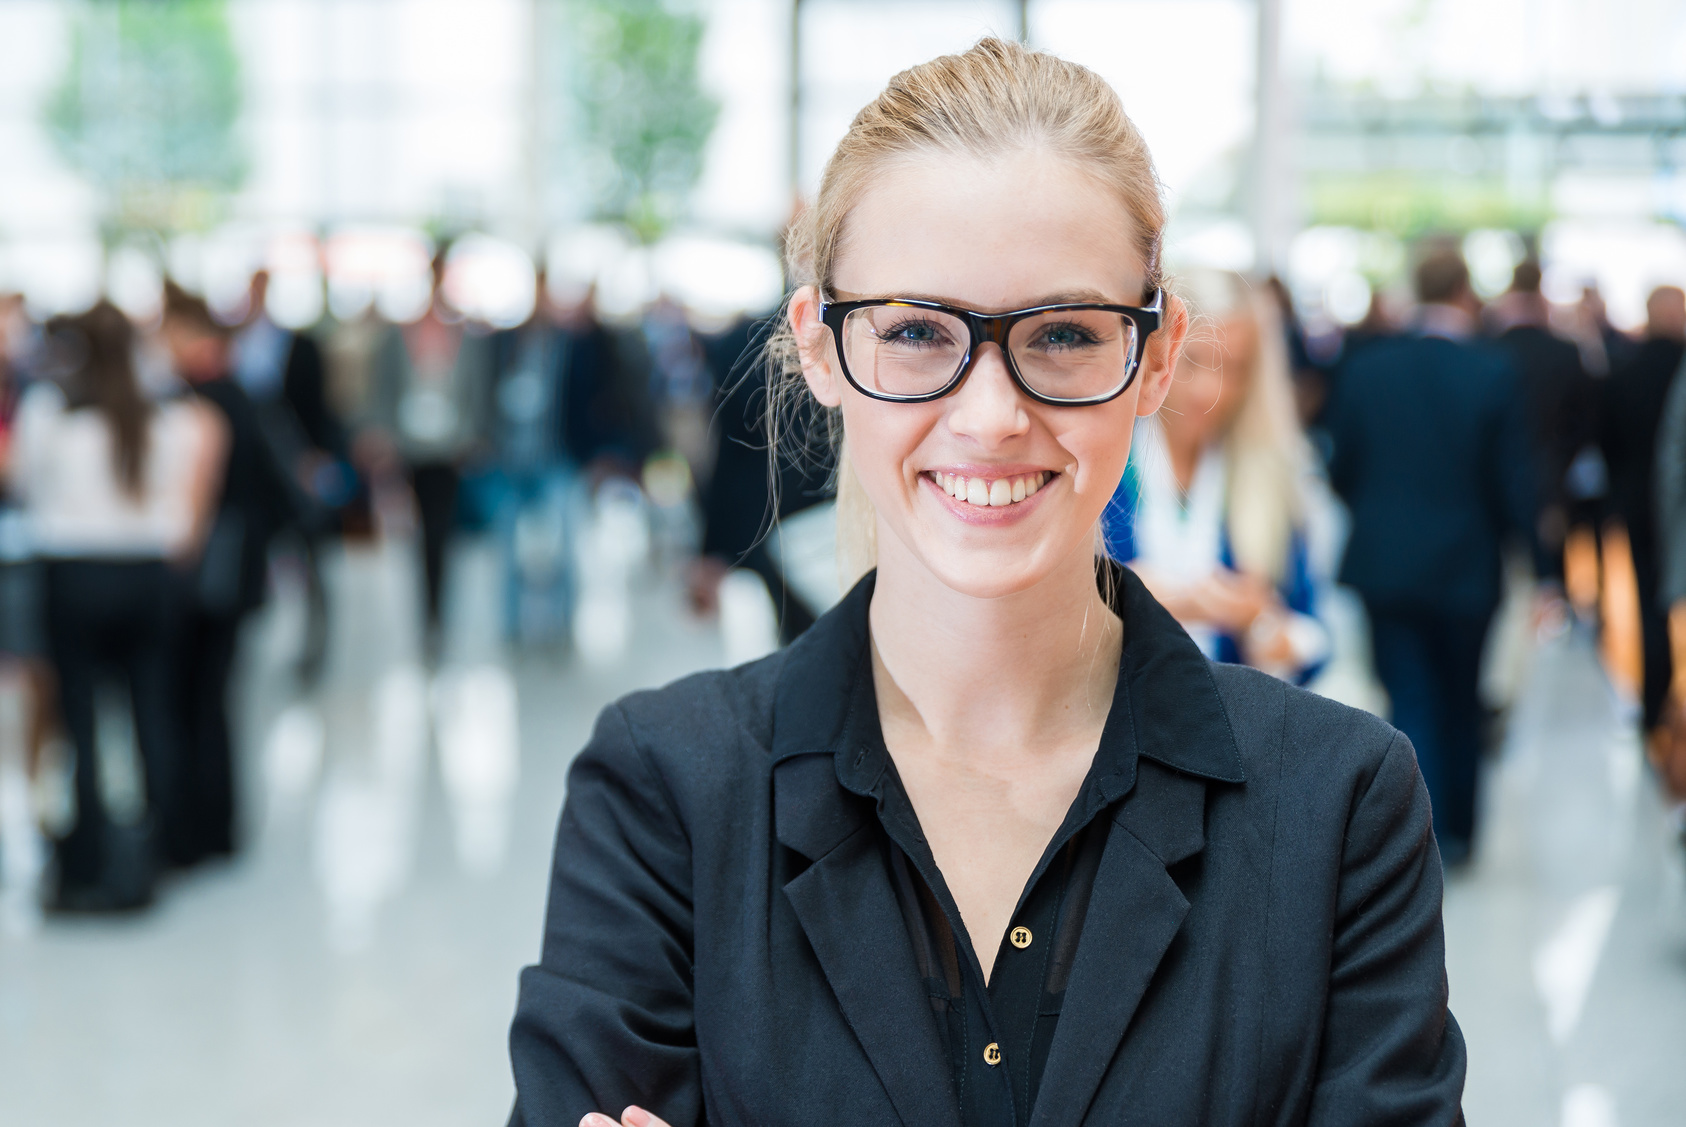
<point>1005,676</point>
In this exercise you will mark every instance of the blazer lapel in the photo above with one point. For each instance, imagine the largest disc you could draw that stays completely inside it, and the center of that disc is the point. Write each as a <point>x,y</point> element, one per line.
<point>1134,913</point>
<point>843,898</point>
<point>849,912</point>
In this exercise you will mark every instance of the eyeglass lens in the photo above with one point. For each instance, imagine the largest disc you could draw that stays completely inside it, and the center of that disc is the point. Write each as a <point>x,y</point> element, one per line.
<point>1063,354</point>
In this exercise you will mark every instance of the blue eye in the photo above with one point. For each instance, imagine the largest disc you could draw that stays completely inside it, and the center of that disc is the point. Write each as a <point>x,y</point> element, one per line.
<point>1064,336</point>
<point>912,332</point>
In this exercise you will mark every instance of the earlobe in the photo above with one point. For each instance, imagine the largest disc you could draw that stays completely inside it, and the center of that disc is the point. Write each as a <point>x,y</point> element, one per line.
<point>1159,362</point>
<point>812,346</point>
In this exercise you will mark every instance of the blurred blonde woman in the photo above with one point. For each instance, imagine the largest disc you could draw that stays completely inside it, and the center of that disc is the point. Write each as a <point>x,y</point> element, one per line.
<point>1213,509</point>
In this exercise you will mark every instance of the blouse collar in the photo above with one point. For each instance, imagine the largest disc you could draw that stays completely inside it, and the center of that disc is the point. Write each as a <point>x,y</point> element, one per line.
<point>1165,708</point>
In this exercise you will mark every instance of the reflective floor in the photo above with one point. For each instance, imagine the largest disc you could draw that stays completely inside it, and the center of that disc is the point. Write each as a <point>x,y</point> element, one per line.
<point>356,965</point>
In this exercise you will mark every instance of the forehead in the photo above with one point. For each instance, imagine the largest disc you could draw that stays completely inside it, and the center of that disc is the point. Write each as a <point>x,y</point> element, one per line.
<point>992,233</point>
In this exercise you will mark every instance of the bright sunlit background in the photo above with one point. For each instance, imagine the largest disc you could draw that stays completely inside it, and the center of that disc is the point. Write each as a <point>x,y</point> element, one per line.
<point>357,966</point>
<point>360,129</point>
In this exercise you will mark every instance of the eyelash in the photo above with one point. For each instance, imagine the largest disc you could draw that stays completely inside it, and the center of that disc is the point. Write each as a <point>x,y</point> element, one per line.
<point>899,327</point>
<point>1084,336</point>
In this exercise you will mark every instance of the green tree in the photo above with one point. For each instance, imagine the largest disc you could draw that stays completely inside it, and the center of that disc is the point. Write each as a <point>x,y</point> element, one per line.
<point>643,116</point>
<point>146,111</point>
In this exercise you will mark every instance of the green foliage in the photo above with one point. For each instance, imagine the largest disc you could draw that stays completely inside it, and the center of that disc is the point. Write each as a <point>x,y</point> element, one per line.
<point>146,111</point>
<point>643,116</point>
<point>1411,204</point>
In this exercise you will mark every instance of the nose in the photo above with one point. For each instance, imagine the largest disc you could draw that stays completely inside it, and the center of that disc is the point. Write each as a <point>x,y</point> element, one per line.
<point>988,406</point>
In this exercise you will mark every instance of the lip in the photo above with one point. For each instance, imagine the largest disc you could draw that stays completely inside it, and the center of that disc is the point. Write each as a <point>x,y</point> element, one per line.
<point>989,515</point>
<point>990,471</point>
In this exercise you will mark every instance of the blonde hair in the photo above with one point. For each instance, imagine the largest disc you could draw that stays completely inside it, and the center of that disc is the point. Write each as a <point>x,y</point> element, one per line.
<point>996,97</point>
<point>1267,453</point>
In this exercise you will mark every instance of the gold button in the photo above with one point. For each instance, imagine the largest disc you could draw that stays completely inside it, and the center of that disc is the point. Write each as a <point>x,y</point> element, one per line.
<point>992,1054</point>
<point>1020,937</point>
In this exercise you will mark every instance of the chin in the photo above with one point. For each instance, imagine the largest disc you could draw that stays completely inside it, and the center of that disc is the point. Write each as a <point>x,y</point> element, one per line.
<point>988,573</point>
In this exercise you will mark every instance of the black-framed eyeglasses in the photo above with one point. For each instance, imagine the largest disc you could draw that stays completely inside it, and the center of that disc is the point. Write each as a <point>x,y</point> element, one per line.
<point>903,350</point>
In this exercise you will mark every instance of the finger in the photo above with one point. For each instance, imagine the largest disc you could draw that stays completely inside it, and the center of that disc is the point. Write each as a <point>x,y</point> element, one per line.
<point>597,1120</point>
<point>636,1116</point>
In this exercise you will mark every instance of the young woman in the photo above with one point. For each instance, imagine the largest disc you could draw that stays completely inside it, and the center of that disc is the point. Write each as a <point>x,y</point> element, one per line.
<point>993,842</point>
<point>1213,510</point>
<point>119,490</point>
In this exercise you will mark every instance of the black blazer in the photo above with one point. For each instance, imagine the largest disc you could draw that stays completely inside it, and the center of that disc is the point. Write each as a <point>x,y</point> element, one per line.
<point>723,944</point>
<point>1432,454</point>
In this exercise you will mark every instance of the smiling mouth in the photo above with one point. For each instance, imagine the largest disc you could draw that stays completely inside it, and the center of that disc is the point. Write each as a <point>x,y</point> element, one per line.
<point>986,493</point>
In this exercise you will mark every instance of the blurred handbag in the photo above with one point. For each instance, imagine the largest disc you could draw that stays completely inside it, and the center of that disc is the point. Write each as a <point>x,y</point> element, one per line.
<point>216,587</point>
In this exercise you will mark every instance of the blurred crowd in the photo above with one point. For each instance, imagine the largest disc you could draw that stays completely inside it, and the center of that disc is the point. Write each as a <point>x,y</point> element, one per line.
<point>161,473</point>
<point>1428,461</point>
<point>1438,457</point>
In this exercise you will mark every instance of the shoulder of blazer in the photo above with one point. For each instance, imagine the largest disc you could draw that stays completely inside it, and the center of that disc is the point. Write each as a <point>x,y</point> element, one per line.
<point>1276,723</point>
<point>711,725</point>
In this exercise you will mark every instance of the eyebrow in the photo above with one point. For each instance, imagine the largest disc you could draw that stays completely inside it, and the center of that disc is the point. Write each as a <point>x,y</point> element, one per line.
<point>1064,297</point>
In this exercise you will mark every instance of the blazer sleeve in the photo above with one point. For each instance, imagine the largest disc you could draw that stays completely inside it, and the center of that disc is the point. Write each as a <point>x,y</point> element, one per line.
<point>606,1017</point>
<point>1392,1052</point>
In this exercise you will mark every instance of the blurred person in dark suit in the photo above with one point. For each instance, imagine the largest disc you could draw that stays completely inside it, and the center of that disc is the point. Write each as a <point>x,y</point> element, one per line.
<point>553,410</point>
<point>428,407</point>
<point>120,493</point>
<point>741,499</point>
<point>282,373</point>
<point>257,497</point>
<point>1431,454</point>
<point>608,415</point>
<point>1646,453</point>
<point>1604,348</point>
<point>1562,407</point>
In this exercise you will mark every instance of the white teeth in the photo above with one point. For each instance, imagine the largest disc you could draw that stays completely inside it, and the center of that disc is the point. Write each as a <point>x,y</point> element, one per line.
<point>997,493</point>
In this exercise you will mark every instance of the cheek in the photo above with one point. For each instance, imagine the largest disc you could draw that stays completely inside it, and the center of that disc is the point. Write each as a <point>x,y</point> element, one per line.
<point>1098,440</point>
<point>882,437</point>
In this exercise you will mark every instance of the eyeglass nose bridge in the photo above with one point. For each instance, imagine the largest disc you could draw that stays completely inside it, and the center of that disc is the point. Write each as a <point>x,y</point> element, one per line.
<point>993,329</point>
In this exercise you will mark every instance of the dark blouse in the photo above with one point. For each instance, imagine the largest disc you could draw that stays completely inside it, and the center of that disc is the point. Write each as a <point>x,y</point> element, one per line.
<point>996,1036</point>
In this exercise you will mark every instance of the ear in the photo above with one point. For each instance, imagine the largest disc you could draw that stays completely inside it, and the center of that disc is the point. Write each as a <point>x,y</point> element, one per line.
<point>1159,359</point>
<point>814,347</point>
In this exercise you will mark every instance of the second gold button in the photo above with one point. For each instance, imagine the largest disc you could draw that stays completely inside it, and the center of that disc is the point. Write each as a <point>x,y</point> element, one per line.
<point>992,1054</point>
<point>1020,937</point>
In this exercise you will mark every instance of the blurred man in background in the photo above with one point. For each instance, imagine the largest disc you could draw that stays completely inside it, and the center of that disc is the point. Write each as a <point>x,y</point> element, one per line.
<point>1431,454</point>
<point>231,580</point>
<point>1645,445</point>
<point>428,418</point>
<point>537,369</point>
<point>1634,402</point>
<point>739,502</point>
<point>1561,401</point>
<point>282,373</point>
